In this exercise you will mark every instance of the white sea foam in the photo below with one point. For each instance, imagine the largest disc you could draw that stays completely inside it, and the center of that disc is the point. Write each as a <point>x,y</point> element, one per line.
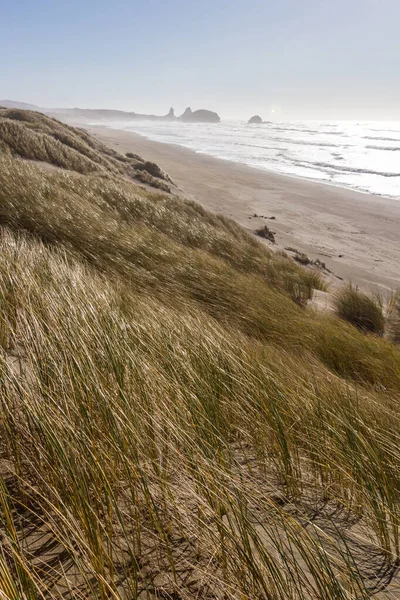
<point>359,155</point>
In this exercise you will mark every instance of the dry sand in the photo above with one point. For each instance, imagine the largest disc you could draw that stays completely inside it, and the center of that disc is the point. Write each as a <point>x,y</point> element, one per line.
<point>356,235</point>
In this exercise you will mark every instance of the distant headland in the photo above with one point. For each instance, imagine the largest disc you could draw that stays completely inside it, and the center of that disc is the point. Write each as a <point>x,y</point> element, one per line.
<point>105,114</point>
<point>189,116</point>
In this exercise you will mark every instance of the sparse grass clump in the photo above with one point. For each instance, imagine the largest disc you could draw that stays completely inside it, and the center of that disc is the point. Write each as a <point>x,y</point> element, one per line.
<point>134,156</point>
<point>360,310</point>
<point>145,177</point>
<point>305,260</point>
<point>394,318</point>
<point>266,233</point>
<point>302,258</point>
<point>153,169</point>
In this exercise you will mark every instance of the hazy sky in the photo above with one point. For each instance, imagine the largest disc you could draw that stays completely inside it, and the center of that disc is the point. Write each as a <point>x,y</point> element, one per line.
<point>300,58</point>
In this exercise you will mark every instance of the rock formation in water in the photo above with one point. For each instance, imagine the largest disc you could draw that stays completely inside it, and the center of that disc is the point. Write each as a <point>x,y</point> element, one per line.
<point>187,115</point>
<point>199,116</point>
<point>256,120</point>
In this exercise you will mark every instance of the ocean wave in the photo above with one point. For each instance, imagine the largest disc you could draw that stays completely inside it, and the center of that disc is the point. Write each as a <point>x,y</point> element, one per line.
<point>247,145</point>
<point>329,168</point>
<point>354,170</point>
<point>296,129</point>
<point>388,130</point>
<point>386,148</point>
<point>333,133</point>
<point>307,143</point>
<point>381,139</point>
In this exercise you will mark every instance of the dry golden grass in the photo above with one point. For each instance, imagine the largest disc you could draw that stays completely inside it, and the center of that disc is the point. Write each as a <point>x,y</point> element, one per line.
<point>360,309</point>
<point>174,422</point>
<point>34,136</point>
<point>394,317</point>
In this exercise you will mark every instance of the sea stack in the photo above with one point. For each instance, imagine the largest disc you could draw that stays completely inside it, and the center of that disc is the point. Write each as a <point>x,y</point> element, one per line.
<point>187,115</point>
<point>256,120</point>
<point>199,116</point>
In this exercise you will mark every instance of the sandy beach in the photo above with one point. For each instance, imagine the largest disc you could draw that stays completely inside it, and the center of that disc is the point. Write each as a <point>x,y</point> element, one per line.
<point>356,235</point>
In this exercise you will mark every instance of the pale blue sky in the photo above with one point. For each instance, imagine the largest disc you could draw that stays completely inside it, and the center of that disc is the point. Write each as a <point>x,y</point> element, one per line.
<point>302,58</point>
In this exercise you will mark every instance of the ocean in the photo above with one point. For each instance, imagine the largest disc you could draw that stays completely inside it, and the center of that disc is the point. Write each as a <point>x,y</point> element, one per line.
<point>364,156</point>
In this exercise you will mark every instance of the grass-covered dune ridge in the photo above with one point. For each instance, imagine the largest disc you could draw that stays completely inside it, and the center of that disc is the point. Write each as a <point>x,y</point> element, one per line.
<point>175,423</point>
<point>32,135</point>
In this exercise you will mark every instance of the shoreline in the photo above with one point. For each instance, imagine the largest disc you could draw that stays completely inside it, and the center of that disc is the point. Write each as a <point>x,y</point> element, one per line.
<point>355,233</point>
<point>256,167</point>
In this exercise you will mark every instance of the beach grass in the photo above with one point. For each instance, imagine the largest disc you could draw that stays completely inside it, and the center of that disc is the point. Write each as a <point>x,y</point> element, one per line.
<point>360,309</point>
<point>175,422</point>
<point>394,317</point>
